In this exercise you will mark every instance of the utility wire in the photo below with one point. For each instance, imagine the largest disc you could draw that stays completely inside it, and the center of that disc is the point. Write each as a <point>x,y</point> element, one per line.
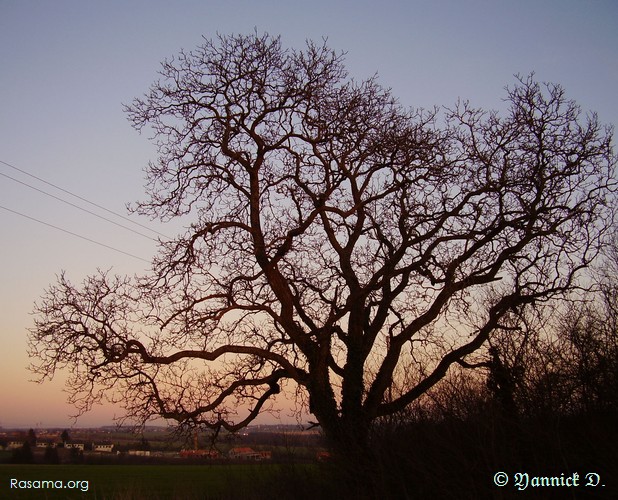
<point>83,199</point>
<point>74,234</point>
<point>76,206</point>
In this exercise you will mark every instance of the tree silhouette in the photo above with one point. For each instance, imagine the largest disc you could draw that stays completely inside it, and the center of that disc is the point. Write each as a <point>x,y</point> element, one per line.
<point>31,437</point>
<point>340,244</point>
<point>65,436</point>
<point>23,455</point>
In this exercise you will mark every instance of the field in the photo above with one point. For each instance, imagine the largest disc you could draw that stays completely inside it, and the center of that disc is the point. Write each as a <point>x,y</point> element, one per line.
<point>154,481</point>
<point>463,460</point>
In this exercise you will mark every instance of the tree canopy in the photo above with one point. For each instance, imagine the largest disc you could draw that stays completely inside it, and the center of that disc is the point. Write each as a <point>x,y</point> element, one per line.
<point>341,245</point>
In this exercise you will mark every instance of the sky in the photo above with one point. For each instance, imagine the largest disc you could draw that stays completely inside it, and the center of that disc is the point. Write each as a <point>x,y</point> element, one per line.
<point>67,68</point>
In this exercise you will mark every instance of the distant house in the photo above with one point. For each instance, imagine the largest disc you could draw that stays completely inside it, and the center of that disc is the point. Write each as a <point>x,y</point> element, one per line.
<point>249,454</point>
<point>75,446</point>
<point>13,445</point>
<point>139,453</point>
<point>103,447</point>
<point>199,454</point>
<point>46,444</point>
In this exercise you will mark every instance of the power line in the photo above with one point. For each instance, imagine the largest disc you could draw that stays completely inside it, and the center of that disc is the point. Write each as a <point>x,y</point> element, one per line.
<point>74,234</point>
<point>76,206</point>
<point>83,199</point>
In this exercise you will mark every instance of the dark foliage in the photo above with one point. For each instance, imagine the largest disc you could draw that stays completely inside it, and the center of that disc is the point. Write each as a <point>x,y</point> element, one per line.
<point>23,455</point>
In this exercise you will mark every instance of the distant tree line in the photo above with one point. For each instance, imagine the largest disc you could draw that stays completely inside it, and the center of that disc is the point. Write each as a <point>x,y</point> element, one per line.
<point>558,359</point>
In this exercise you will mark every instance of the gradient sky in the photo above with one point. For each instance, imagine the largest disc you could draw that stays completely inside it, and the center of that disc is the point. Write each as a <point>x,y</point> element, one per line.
<point>66,68</point>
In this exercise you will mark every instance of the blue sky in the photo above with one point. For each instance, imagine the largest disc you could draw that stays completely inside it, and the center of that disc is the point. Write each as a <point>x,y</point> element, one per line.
<point>68,66</point>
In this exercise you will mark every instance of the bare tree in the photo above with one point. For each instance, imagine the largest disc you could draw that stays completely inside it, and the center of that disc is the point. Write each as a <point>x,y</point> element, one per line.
<point>339,244</point>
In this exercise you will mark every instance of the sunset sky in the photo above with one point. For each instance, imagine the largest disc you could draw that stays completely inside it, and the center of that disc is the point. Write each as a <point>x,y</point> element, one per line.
<point>66,68</point>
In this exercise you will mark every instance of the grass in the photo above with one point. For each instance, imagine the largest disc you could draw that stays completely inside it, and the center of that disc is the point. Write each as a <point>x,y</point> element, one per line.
<point>120,482</point>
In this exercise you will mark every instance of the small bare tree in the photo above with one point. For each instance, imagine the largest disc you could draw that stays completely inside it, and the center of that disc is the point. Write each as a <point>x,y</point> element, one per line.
<point>339,243</point>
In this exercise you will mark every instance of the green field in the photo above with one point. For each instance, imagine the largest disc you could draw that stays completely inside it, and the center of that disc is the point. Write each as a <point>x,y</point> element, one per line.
<point>157,481</point>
